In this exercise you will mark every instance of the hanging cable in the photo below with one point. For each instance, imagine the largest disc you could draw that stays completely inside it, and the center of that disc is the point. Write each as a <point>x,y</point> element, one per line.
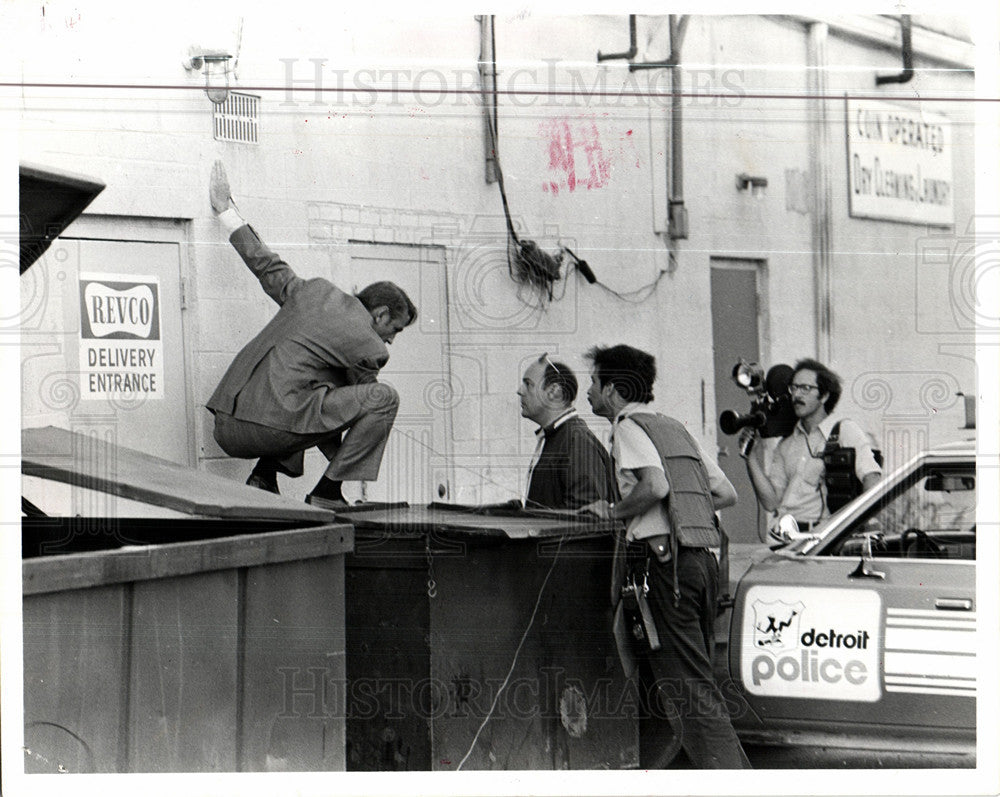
<point>534,266</point>
<point>239,48</point>
<point>587,273</point>
<point>526,262</point>
<point>517,652</point>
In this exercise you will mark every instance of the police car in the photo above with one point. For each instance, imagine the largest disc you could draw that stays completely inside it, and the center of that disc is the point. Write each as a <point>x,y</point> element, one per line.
<point>861,635</point>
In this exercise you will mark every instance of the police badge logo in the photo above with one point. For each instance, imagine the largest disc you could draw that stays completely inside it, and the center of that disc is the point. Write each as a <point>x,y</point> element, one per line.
<point>776,625</point>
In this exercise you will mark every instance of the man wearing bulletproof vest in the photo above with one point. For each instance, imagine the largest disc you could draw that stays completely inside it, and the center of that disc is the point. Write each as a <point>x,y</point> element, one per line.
<point>796,483</point>
<point>670,490</point>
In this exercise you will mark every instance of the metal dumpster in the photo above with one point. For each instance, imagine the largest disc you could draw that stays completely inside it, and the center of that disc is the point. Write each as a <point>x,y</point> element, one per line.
<point>483,642</point>
<point>171,632</point>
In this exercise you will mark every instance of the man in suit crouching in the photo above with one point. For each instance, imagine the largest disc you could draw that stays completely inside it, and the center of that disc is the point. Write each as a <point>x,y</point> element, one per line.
<point>309,377</point>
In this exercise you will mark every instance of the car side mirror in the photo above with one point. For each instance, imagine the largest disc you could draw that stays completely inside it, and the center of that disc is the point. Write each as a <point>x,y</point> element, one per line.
<point>864,569</point>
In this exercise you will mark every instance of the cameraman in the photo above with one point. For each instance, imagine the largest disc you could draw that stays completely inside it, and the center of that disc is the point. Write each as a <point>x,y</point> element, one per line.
<point>794,484</point>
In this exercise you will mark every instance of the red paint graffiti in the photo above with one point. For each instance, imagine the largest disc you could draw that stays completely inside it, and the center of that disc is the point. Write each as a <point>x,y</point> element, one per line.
<point>576,153</point>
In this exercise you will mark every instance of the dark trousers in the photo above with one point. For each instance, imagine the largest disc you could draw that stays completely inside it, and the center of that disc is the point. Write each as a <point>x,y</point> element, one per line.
<point>682,667</point>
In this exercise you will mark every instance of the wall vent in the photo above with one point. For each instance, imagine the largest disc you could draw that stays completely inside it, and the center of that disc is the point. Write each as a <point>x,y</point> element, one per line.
<point>238,118</point>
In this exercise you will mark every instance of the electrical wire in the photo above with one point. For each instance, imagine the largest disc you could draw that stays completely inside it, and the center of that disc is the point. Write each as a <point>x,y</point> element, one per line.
<point>517,653</point>
<point>514,241</point>
<point>635,297</point>
<point>239,47</point>
<point>648,290</point>
<point>537,275</point>
<point>434,451</point>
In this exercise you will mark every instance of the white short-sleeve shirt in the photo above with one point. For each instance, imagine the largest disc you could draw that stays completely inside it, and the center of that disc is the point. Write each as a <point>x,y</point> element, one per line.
<point>631,450</point>
<point>797,471</point>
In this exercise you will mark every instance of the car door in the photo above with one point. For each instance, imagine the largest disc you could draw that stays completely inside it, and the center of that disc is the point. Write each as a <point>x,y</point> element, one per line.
<point>835,642</point>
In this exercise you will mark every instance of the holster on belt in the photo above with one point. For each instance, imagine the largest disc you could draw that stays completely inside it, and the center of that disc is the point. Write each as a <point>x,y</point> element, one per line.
<point>659,546</point>
<point>634,601</point>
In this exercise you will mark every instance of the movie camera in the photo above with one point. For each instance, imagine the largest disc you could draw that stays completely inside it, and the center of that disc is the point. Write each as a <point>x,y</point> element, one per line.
<point>770,405</point>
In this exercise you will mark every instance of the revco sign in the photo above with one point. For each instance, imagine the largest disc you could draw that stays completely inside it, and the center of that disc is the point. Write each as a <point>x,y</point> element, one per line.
<point>121,351</point>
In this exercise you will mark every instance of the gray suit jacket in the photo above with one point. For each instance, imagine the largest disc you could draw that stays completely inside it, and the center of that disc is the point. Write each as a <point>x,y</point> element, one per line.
<point>320,339</point>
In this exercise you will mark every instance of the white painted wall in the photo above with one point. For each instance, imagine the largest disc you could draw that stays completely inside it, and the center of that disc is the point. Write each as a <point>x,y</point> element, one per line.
<point>408,169</point>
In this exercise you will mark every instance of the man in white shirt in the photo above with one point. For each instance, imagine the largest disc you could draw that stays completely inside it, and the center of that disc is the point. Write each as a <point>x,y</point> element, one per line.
<point>794,484</point>
<point>670,491</point>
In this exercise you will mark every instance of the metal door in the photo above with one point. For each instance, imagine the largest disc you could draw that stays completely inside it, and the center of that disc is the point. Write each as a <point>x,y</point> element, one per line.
<point>416,465</point>
<point>103,350</point>
<point>735,334</point>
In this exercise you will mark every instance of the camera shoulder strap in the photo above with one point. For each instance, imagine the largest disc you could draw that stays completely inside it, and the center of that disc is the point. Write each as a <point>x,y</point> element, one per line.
<point>833,441</point>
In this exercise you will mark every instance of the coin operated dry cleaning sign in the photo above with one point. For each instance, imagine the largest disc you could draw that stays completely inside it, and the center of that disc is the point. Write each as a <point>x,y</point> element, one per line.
<point>899,164</point>
<point>121,348</point>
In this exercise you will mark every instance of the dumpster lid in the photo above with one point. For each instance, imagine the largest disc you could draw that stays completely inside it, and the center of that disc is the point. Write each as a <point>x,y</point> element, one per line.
<point>50,200</point>
<point>437,518</point>
<point>85,461</point>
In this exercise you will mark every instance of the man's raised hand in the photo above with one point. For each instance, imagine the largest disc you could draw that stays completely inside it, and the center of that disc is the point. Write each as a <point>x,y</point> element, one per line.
<point>218,188</point>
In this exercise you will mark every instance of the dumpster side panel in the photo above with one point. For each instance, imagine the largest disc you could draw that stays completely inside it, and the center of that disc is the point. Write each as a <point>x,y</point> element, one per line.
<point>184,674</point>
<point>294,667</point>
<point>74,654</point>
<point>483,607</point>
<point>391,696</point>
<point>566,704</point>
<point>595,712</point>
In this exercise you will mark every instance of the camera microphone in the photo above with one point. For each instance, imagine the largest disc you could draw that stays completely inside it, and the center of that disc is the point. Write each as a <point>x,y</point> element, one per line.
<point>778,379</point>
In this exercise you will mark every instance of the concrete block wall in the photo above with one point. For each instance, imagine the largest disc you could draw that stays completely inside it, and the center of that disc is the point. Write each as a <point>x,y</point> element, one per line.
<point>903,354</point>
<point>918,352</point>
<point>586,170</point>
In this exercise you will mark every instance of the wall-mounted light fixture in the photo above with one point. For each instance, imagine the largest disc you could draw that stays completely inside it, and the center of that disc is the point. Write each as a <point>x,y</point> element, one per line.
<point>756,185</point>
<point>214,64</point>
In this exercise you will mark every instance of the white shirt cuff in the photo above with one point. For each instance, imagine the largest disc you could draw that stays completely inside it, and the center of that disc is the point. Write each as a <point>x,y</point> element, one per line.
<point>231,220</point>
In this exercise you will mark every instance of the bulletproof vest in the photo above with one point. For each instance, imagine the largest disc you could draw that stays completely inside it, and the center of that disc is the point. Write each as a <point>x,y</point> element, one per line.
<point>689,502</point>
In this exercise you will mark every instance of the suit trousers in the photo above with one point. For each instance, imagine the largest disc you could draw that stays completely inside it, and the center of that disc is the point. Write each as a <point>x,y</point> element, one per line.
<point>682,666</point>
<point>360,418</point>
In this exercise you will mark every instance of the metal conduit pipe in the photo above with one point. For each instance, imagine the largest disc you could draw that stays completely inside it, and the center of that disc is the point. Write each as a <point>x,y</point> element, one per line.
<point>906,26</point>
<point>633,45</point>
<point>677,213</point>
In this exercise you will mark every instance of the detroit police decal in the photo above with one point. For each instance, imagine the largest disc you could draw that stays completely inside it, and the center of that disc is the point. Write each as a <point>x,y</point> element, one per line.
<point>811,643</point>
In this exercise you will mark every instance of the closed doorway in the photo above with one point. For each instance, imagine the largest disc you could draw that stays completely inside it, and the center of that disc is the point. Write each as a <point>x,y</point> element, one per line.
<point>416,466</point>
<point>103,345</point>
<point>736,332</point>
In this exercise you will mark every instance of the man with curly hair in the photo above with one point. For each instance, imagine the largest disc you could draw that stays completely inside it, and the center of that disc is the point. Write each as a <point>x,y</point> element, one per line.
<point>795,482</point>
<point>669,490</point>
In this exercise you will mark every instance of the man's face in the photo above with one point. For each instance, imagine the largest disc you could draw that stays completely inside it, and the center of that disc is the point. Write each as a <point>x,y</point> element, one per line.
<point>597,396</point>
<point>385,326</point>
<point>806,398</point>
<point>536,401</point>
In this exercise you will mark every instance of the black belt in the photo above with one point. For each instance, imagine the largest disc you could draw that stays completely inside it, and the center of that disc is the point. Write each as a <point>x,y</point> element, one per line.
<point>636,552</point>
<point>640,549</point>
<point>639,558</point>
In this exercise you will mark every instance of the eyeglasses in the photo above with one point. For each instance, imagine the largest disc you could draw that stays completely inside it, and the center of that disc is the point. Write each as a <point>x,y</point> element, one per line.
<point>545,359</point>
<point>793,389</point>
